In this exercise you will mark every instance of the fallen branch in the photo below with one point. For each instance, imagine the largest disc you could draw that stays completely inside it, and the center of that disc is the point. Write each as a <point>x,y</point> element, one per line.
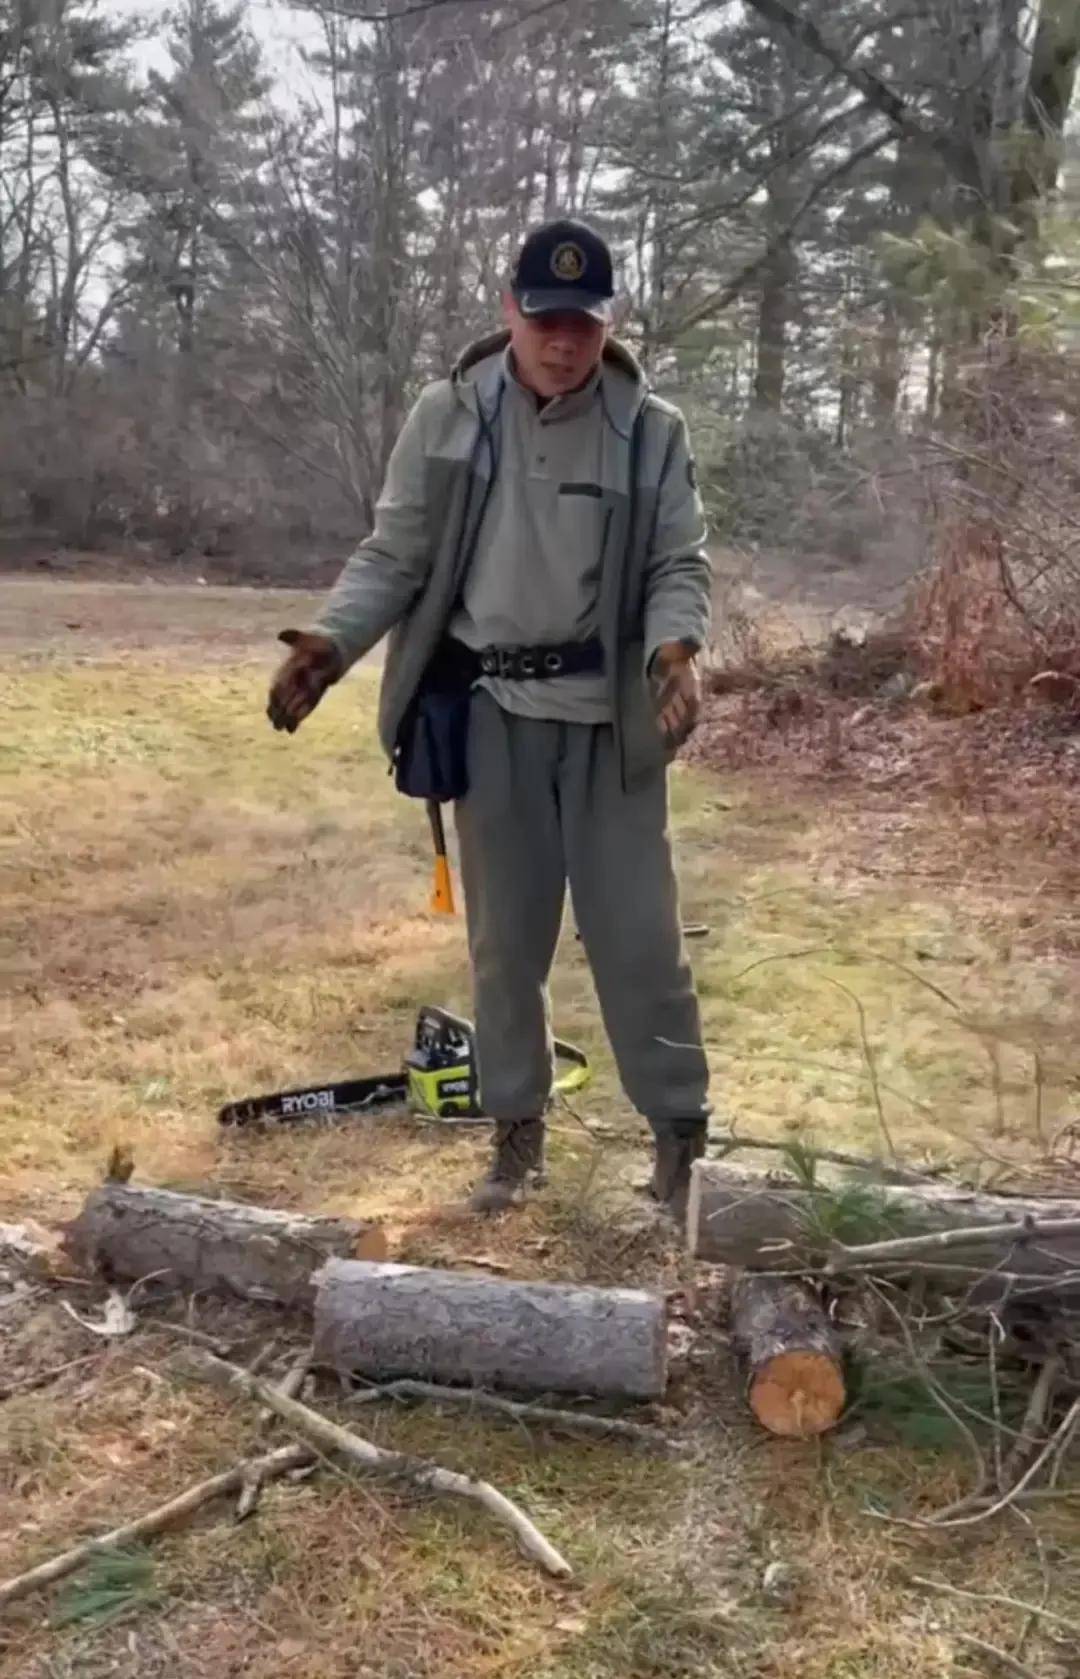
<point>1008,1664</point>
<point>330,1437</point>
<point>1013,1495</point>
<point>948,1590</point>
<point>290,1384</point>
<point>45,1377</point>
<point>913,1247</point>
<point>720,1146</point>
<point>1034,1418</point>
<point>1018,1501</point>
<point>583,1422</point>
<point>186,1503</point>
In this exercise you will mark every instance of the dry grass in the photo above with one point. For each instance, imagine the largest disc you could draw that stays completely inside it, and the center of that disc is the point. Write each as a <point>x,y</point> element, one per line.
<point>199,909</point>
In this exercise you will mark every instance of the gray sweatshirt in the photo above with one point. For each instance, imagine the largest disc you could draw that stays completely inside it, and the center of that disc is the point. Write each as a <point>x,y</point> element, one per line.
<point>513,527</point>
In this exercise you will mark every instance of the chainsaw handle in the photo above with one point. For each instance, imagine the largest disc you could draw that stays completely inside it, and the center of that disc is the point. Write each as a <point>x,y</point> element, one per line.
<point>443,1017</point>
<point>581,1073</point>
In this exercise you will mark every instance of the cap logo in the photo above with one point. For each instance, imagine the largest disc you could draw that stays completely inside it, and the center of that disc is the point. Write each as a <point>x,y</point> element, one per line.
<point>568,262</point>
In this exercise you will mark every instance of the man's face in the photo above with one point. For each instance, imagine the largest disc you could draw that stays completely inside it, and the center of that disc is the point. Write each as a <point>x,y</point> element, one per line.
<point>554,353</point>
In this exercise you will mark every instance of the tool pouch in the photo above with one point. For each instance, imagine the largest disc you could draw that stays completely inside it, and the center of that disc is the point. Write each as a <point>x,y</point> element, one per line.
<point>431,759</point>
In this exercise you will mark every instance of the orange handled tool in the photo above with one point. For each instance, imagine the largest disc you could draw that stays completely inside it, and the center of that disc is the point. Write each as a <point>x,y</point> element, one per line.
<point>442,897</point>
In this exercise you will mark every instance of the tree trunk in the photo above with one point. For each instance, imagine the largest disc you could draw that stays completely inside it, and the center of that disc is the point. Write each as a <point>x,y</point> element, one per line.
<point>887,369</point>
<point>773,311</point>
<point>384,1321</point>
<point>794,1378</point>
<point>933,371</point>
<point>1054,59</point>
<point>217,1245</point>
<point>744,1218</point>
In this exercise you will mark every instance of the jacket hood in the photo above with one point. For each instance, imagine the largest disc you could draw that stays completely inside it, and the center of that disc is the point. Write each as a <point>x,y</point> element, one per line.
<point>478,370</point>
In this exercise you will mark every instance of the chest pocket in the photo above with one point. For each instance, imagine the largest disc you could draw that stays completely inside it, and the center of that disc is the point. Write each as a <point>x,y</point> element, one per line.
<point>583,518</point>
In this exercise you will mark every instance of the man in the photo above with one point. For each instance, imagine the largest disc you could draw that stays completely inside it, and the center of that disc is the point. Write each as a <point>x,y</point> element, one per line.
<point>540,534</point>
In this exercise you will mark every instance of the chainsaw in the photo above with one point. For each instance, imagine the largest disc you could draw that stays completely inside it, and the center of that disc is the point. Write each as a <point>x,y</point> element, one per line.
<point>437,1080</point>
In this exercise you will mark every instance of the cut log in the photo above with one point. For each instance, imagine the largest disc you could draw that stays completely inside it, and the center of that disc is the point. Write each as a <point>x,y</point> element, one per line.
<point>220,1246</point>
<point>737,1217</point>
<point>794,1377</point>
<point>386,1321</point>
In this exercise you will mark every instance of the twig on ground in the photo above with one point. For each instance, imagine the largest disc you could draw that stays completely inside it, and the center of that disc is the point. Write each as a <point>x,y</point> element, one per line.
<point>1030,1495</point>
<point>885,1170</point>
<point>262,1357</point>
<point>868,1057</point>
<point>994,1337</point>
<point>978,1235</point>
<point>230,1481</point>
<point>972,1515</point>
<point>1039,1078</point>
<point>475,1399</point>
<point>784,956</point>
<point>1042,1395</point>
<point>948,1590</point>
<point>1039,1282</point>
<point>189,1333</point>
<point>291,1383</point>
<point>430,1477</point>
<point>1031,1620</point>
<point>1007,1663</point>
<point>44,1377</point>
<point>1057,1457</point>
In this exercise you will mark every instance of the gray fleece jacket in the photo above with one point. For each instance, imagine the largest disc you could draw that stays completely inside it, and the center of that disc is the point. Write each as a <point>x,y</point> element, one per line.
<point>406,577</point>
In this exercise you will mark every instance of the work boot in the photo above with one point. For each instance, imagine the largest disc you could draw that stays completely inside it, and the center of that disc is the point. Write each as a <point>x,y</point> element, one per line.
<point>517,1162</point>
<point>676,1149</point>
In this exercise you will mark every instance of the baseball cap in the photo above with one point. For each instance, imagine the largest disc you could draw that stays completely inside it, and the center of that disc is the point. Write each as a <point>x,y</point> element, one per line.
<point>564,265</point>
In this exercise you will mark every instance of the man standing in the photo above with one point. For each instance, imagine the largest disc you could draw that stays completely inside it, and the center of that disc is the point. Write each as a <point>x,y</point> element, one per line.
<point>540,535</point>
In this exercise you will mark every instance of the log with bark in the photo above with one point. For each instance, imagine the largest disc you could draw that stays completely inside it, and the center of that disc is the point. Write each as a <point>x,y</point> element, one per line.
<point>386,1321</point>
<point>221,1246</point>
<point>742,1218</point>
<point>794,1375</point>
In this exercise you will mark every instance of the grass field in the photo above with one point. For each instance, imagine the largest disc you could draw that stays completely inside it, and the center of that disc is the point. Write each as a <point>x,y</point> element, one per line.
<point>198,908</point>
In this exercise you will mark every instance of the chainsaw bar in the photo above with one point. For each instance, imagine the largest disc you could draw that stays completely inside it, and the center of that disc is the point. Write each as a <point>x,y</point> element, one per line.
<point>318,1101</point>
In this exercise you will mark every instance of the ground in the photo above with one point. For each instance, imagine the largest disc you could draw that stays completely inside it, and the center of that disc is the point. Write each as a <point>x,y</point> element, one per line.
<point>201,909</point>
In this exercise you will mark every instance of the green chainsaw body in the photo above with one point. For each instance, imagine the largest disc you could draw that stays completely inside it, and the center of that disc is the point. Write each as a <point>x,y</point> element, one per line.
<point>438,1080</point>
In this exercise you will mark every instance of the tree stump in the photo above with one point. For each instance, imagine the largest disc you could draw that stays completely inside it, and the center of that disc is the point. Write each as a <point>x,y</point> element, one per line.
<point>794,1377</point>
<point>385,1321</point>
<point>221,1246</point>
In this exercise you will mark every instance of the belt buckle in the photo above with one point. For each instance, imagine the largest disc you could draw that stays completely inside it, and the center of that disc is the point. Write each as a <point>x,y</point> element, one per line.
<point>505,659</point>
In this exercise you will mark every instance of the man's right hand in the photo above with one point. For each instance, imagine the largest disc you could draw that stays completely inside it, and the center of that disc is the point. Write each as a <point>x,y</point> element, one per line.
<point>311,668</point>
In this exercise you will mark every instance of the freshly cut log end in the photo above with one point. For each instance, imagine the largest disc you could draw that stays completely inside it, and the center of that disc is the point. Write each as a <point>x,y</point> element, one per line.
<point>388,1321</point>
<point>794,1377</point>
<point>797,1393</point>
<point>221,1246</point>
<point>371,1243</point>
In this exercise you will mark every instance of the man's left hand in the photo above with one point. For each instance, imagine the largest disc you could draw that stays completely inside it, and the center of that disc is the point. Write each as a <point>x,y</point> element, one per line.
<point>676,683</point>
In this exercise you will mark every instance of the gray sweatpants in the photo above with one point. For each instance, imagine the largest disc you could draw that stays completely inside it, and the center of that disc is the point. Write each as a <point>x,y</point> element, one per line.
<point>545,807</point>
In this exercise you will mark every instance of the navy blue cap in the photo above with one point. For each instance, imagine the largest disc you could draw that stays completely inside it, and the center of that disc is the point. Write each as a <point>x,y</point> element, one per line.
<point>564,265</point>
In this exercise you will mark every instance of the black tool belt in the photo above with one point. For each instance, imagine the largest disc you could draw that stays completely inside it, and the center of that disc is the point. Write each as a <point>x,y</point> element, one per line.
<point>431,758</point>
<point>454,665</point>
<point>533,664</point>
